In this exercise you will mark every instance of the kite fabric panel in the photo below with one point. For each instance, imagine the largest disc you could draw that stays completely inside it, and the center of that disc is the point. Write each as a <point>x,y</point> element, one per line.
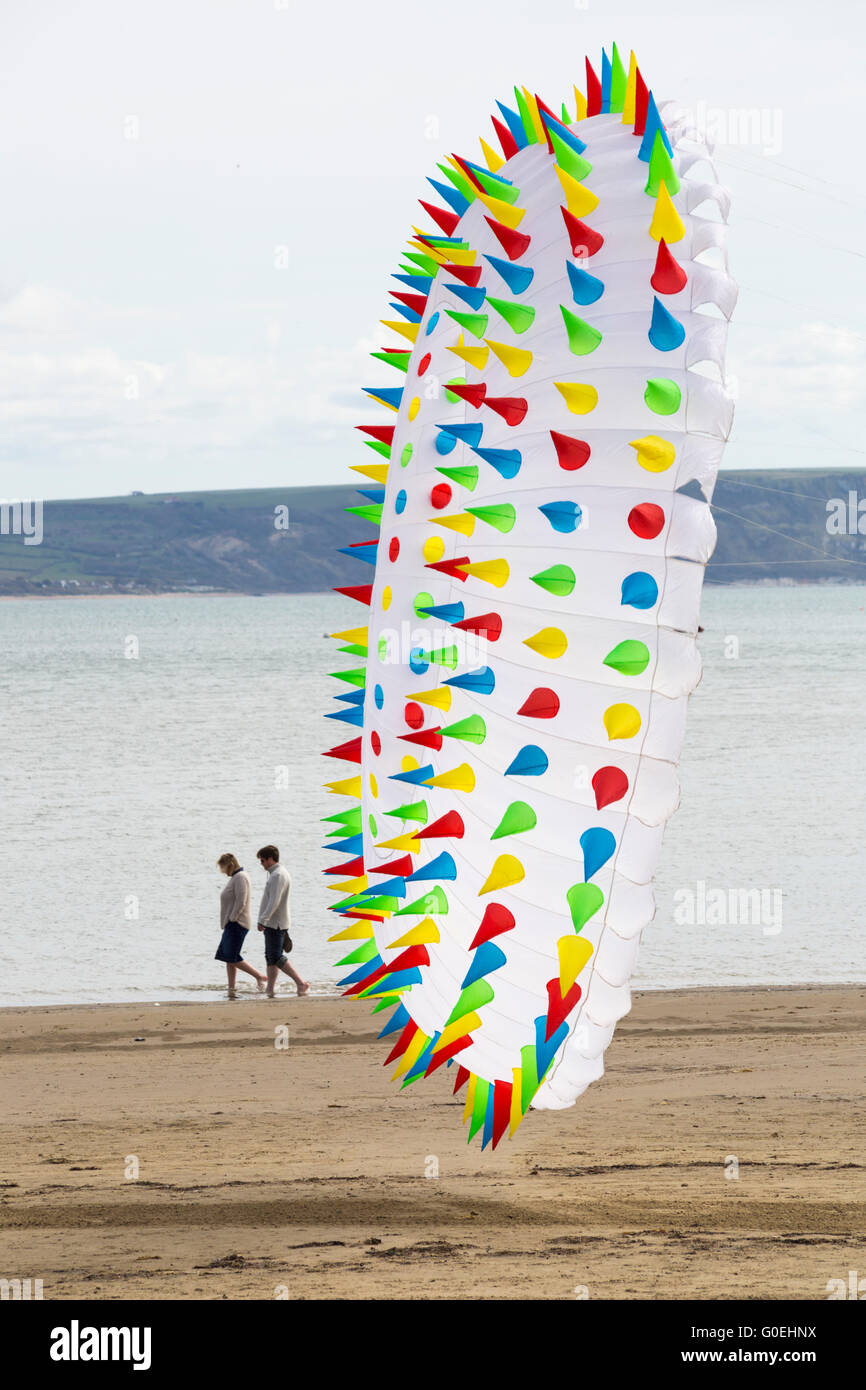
<point>518,690</point>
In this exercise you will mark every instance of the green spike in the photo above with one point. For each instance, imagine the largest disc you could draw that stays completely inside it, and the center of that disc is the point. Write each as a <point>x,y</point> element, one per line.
<point>471,730</point>
<point>529,1081</point>
<point>661,169</point>
<point>476,324</point>
<point>663,395</point>
<point>582,337</point>
<point>433,901</point>
<point>584,900</point>
<point>618,81</point>
<point>350,820</point>
<point>366,951</point>
<point>355,649</point>
<point>497,188</point>
<point>387,1003</point>
<point>427,264</point>
<point>414,810</point>
<point>479,1107</point>
<point>443,656</point>
<point>371,512</point>
<point>358,676</point>
<point>519,317</point>
<point>518,818</point>
<point>379,447</point>
<point>568,158</point>
<point>471,999</point>
<point>630,658</point>
<point>526,119</point>
<point>451,396</point>
<point>461,183</point>
<point>386,903</point>
<point>566,119</point>
<point>464,477</point>
<point>413,269</point>
<point>559,580</point>
<point>400,360</point>
<point>502,516</point>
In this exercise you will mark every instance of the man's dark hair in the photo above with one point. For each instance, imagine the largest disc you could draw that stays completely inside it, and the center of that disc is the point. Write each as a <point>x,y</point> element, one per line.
<point>269,852</point>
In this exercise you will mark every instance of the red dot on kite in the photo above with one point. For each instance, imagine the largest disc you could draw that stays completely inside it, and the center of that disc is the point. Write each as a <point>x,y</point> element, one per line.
<point>440,496</point>
<point>646,520</point>
<point>393,549</point>
<point>541,704</point>
<point>375,743</point>
<point>572,453</point>
<point>414,715</point>
<point>609,784</point>
<point>424,364</point>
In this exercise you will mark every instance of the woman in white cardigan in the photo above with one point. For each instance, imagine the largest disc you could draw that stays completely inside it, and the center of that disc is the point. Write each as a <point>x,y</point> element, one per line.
<point>235,922</point>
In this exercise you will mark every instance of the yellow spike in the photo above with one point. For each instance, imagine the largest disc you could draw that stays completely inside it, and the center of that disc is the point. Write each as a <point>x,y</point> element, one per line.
<point>580,105</point>
<point>628,111</point>
<point>439,699</point>
<point>506,871</point>
<point>475,356</point>
<point>507,213</point>
<point>432,251</point>
<point>516,1112</point>
<point>356,931</point>
<point>515,360</point>
<point>470,1097</point>
<point>535,115</point>
<point>406,330</point>
<point>580,200</point>
<point>579,396</point>
<point>377,471</point>
<point>666,221</point>
<point>458,1029</point>
<point>550,642</point>
<point>426,932</point>
<point>494,160</point>
<point>350,885</point>
<point>412,1053</point>
<point>494,572</point>
<point>406,844</point>
<point>350,786</point>
<point>461,255</point>
<point>353,634</point>
<point>458,521</point>
<point>459,779</point>
<point>574,952</point>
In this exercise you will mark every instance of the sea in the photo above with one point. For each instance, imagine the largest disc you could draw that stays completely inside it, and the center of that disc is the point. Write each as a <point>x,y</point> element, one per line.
<point>144,736</point>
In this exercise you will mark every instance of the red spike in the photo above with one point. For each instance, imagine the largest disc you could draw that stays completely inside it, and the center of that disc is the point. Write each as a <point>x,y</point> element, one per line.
<point>418,302</point>
<point>513,243</point>
<point>512,408</point>
<point>473,395</point>
<point>443,217</point>
<point>668,276</point>
<point>506,139</point>
<point>447,827</point>
<point>402,1042</point>
<point>384,433</point>
<point>450,567</point>
<point>501,1109</point>
<point>488,623</point>
<point>541,111</point>
<point>469,274</point>
<point>396,868</point>
<point>362,592</point>
<point>593,91</point>
<point>364,916</point>
<point>463,1075</point>
<point>450,1050</point>
<point>354,545</point>
<point>470,173</point>
<point>559,1008</point>
<point>496,920</point>
<point>541,704</point>
<point>572,453</point>
<point>641,102</point>
<point>585,241</point>
<point>353,869</point>
<point>350,752</point>
<point>412,956</point>
<point>427,738</point>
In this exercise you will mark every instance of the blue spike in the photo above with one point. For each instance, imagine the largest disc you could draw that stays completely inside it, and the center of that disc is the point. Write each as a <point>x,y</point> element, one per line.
<point>470,295</point>
<point>563,516</point>
<point>480,169</point>
<point>416,778</point>
<point>359,553</point>
<point>653,123</point>
<point>517,277</point>
<point>545,1051</point>
<point>392,394</point>
<point>454,199</point>
<point>566,136</point>
<point>515,125</point>
<point>469,434</point>
<point>422,283</point>
<point>483,682</point>
<point>399,980</point>
<point>442,866</point>
<point>487,1132</point>
<point>585,288</point>
<point>639,590</point>
<point>391,888</point>
<point>448,612</point>
<point>363,970</point>
<point>487,958</point>
<point>666,333</point>
<point>373,494</point>
<point>353,715</point>
<point>411,314</point>
<point>419,1066</point>
<point>353,845</point>
<point>606,74</point>
<point>352,697</point>
<point>598,845</point>
<point>506,461</point>
<point>531,761</point>
<point>398,1020</point>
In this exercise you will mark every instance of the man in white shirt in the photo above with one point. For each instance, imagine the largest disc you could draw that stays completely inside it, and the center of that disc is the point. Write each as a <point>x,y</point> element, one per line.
<point>274,919</point>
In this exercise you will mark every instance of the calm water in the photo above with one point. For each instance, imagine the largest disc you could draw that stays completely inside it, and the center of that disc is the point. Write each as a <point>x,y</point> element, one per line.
<point>125,777</point>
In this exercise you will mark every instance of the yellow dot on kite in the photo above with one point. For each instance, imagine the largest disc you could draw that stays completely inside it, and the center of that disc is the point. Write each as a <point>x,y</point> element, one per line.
<point>578,396</point>
<point>506,871</point>
<point>386,597</point>
<point>374,786</point>
<point>550,642</point>
<point>434,549</point>
<point>408,764</point>
<point>414,407</point>
<point>621,721</point>
<point>653,453</point>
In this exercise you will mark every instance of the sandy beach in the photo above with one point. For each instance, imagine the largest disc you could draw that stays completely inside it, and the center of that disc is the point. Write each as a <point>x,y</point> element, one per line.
<point>268,1170</point>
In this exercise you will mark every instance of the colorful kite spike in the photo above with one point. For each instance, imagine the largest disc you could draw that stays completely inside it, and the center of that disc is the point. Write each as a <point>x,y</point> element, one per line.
<point>516,691</point>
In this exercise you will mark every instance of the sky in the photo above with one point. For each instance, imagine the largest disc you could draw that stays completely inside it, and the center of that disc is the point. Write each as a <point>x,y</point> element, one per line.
<point>203,201</point>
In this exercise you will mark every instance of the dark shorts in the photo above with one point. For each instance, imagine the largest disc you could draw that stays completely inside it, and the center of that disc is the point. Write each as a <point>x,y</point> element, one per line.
<point>274,953</point>
<point>229,949</point>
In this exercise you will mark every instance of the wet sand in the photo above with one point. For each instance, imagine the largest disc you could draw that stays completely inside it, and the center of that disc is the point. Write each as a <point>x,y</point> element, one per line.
<point>264,1170</point>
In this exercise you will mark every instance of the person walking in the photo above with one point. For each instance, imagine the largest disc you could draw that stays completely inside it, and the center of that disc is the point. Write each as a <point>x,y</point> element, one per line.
<point>235,922</point>
<point>274,920</point>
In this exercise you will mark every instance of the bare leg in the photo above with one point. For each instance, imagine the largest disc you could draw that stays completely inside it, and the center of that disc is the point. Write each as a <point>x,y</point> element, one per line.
<point>303,987</point>
<point>273,971</point>
<point>232,973</point>
<point>249,970</point>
